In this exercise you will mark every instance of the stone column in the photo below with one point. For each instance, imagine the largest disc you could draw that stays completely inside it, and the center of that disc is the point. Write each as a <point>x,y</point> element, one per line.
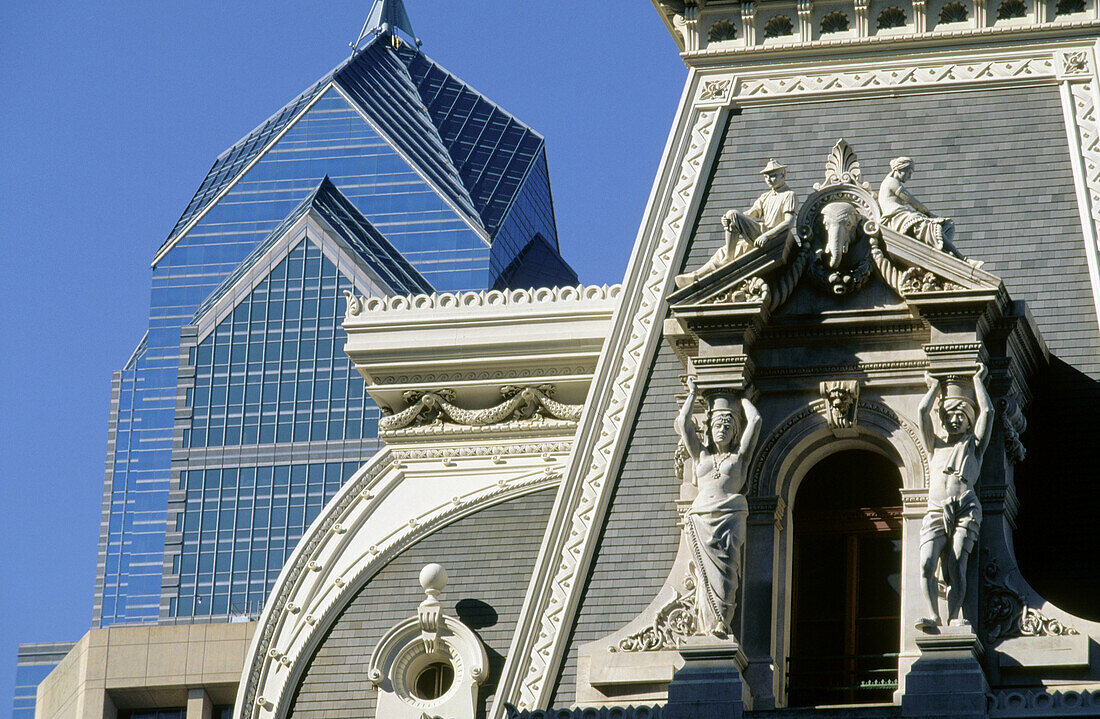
<point>758,597</point>
<point>199,705</point>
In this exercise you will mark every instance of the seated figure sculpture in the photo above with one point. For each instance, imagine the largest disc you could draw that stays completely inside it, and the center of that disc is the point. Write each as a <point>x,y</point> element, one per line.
<point>903,212</point>
<point>772,215</point>
<point>953,519</point>
<point>715,524</point>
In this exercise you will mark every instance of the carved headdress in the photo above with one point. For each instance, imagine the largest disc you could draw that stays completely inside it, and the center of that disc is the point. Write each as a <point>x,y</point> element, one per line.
<point>901,163</point>
<point>955,396</point>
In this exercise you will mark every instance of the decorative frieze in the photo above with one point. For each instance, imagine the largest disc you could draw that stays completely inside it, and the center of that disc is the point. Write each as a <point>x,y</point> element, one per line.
<point>520,403</point>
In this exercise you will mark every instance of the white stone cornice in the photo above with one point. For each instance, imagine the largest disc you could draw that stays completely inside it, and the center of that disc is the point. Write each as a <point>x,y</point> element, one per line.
<point>471,347</point>
<point>894,41</point>
<point>552,598</point>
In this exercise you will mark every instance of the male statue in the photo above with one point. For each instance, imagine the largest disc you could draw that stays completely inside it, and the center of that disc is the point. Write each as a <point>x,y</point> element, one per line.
<point>954,516</point>
<point>772,215</point>
<point>715,524</point>
<point>903,212</point>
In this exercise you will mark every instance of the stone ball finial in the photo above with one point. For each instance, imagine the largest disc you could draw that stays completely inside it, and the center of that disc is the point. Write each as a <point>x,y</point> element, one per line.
<point>433,576</point>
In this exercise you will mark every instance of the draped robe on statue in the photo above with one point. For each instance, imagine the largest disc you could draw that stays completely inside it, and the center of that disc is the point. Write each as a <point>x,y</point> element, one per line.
<point>715,526</point>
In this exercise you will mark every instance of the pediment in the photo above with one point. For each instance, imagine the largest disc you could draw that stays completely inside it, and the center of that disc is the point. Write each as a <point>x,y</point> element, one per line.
<point>839,243</point>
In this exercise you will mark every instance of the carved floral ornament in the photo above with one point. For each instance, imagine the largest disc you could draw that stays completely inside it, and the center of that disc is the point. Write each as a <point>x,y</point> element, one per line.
<point>1005,611</point>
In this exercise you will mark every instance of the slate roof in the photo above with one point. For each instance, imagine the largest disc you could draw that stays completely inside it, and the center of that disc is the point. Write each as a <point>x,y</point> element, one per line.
<point>376,252</point>
<point>473,151</point>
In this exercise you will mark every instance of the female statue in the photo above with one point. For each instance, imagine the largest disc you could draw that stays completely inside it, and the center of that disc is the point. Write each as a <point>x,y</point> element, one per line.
<point>715,524</point>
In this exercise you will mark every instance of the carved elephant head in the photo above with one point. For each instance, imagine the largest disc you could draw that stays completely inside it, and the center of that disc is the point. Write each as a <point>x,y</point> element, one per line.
<point>840,220</point>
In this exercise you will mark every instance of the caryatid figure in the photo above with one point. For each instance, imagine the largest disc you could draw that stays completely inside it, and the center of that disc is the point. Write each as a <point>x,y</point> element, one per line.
<point>772,215</point>
<point>954,515</point>
<point>715,524</point>
<point>903,212</point>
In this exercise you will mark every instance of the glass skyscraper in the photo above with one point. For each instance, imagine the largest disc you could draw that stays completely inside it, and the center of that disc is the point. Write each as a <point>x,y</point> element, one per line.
<point>238,415</point>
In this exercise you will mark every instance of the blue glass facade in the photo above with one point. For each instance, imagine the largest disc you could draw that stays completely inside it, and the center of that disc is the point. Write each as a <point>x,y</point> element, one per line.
<point>33,664</point>
<point>238,415</point>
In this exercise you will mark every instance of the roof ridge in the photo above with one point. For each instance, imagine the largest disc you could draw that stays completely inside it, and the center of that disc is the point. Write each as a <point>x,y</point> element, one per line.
<point>327,189</point>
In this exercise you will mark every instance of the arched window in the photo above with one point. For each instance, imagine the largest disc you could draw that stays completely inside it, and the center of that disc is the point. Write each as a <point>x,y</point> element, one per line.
<point>779,26</point>
<point>1069,7</point>
<point>1011,9</point>
<point>891,17</point>
<point>954,12</point>
<point>834,22</point>
<point>721,31</point>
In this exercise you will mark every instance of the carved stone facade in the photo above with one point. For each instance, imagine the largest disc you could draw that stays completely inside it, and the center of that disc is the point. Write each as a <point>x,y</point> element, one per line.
<point>860,330</point>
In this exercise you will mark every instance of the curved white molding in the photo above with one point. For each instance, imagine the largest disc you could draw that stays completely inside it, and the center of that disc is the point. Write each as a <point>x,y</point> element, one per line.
<point>402,650</point>
<point>386,507</point>
<point>786,448</point>
<point>479,300</point>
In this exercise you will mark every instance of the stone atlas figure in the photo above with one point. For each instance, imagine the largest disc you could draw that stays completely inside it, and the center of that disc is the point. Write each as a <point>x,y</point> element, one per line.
<point>772,215</point>
<point>903,212</point>
<point>954,515</point>
<point>715,524</point>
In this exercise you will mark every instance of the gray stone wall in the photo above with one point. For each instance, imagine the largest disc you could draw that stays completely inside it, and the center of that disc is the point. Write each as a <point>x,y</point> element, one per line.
<point>998,163</point>
<point>488,556</point>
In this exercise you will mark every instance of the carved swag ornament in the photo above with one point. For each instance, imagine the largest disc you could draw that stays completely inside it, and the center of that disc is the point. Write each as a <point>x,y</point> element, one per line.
<point>520,403</point>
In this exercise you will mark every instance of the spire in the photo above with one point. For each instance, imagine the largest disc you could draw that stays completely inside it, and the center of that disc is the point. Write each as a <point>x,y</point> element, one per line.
<point>386,16</point>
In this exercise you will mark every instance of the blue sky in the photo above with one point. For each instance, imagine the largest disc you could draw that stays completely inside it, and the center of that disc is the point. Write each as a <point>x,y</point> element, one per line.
<point>113,113</point>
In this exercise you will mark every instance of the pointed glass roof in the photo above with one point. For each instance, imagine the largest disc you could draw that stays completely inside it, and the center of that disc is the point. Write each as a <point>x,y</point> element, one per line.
<point>475,153</point>
<point>374,250</point>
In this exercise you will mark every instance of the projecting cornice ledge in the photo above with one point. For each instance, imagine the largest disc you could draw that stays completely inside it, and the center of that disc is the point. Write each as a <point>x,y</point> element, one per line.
<point>497,362</point>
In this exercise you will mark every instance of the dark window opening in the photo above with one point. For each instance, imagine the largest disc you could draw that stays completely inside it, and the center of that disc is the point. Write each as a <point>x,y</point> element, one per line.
<point>1069,7</point>
<point>954,12</point>
<point>1011,9</point>
<point>779,26</point>
<point>846,610</point>
<point>891,17</point>
<point>721,31</point>
<point>834,22</point>
<point>434,680</point>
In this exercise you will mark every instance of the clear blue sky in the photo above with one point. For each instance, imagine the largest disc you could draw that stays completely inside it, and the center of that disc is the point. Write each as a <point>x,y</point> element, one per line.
<point>112,114</point>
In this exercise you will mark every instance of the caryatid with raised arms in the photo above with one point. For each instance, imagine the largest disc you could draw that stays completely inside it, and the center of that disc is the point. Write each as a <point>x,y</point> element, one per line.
<point>953,519</point>
<point>715,524</point>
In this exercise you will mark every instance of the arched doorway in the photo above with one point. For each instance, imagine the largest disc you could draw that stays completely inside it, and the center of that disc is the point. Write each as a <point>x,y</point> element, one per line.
<point>845,613</point>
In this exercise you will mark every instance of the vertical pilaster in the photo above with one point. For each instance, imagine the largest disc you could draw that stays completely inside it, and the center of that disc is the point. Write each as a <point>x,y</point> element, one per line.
<point>920,16</point>
<point>805,20</point>
<point>980,7</point>
<point>758,603</point>
<point>863,26</point>
<point>748,22</point>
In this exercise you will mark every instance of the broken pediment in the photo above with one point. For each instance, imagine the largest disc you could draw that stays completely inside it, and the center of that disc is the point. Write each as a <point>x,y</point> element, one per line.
<point>841,241</point>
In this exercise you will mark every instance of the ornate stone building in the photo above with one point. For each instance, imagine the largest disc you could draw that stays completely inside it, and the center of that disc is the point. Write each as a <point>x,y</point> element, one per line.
<point>827,445</point>
<point>854,359</point>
